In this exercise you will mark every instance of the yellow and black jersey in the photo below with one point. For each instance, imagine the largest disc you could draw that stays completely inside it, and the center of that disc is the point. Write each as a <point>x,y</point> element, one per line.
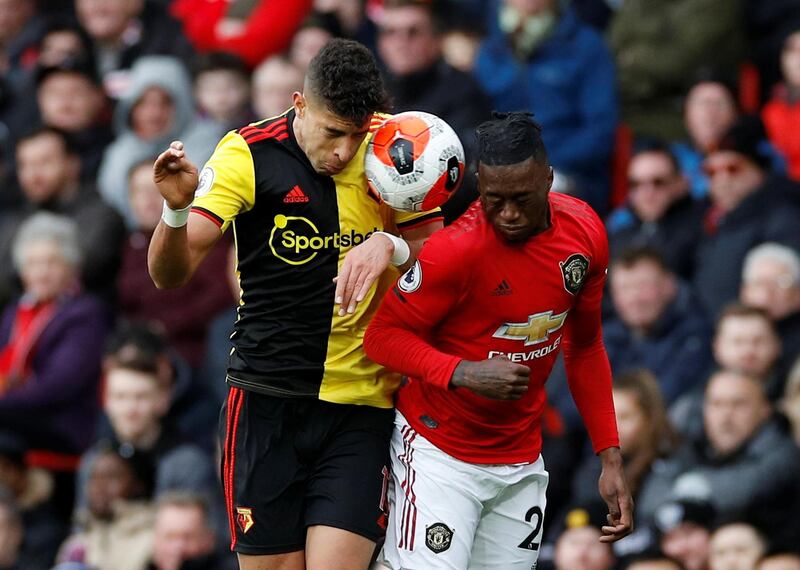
<point>292,228</point>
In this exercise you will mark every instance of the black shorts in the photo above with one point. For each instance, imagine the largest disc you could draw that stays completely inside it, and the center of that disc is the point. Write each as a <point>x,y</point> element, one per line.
<point>290,463</point>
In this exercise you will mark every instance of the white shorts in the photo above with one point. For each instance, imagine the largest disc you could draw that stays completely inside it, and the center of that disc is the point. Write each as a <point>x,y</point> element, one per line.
<point>446,513</point>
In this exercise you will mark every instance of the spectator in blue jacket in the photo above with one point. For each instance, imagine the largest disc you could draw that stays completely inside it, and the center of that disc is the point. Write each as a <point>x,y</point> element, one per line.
<point>542,58</point>
<point>657,325</point>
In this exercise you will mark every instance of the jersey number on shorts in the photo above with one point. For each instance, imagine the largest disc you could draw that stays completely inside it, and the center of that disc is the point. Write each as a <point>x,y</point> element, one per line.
<point>528,543</point>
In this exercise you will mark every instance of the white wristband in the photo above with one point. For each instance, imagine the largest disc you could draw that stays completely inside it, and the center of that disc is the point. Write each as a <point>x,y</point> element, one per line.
<point>401,250</point>
<point>175,218</point>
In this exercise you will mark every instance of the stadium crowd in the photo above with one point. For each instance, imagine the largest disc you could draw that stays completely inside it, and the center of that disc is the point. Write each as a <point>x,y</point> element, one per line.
<point>677,120</point>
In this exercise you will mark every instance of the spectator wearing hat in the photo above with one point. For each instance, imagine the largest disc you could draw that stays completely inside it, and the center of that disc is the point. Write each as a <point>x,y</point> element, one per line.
<point>71,99</point>
<point>116,524</point>
<point>736,546</point>
<point>31,489</point>
<point>748,206</point>
<point>683,528</point>
<point>48,170</point>
<point>782,112</point>
<point>578,545</point>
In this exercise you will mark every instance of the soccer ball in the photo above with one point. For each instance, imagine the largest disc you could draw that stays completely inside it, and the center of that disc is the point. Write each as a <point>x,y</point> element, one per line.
<point>414,161</point>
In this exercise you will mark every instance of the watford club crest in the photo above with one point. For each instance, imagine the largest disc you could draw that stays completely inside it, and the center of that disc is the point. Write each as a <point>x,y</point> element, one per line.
<point>244,518</point>
<point>574,270</point>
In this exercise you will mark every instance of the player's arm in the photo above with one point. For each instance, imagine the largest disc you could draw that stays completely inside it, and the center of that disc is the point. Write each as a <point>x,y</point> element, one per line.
<point>365,262</point>
<point>589,378</point>
<point>396,336</point>
<point>182,240</point>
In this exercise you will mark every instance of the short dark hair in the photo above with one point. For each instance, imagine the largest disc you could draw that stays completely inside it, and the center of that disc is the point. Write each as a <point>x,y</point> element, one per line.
<point>510,138</point>
<point>655,146</point>
<point>739,310</point>
<point>345,75</point>
<point>44,130</point>
<point>634,255</point>
<point>219,61</point>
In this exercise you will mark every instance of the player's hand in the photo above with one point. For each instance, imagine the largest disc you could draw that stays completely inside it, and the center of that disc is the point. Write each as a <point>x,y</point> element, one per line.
<point>495,378</point>
<point>362,266</point>
<point>175,176</point>
<point>615,493</point>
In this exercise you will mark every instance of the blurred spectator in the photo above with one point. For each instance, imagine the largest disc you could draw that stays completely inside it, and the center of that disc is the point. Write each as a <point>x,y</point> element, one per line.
<point>541,57</point>
<point>12,533</point>
<point>32,490</point>
<point>660,45</point>
<point>659,212</point>
<point>578,545</point>
<point>48,170</point>
<point>746,341</point>
<point>191,410</point>
<point>70,99</point>
<point>123,31</point>
<point>780,561</point>
<point>183,314</point>
<point>274,81</point>
<point>184,539</point>
<point>790,403</point>
<point>410,46</point>
<point>744,456</point>
<point>645,436</point>
<point>683,526</point>
<point>117,522</point>
<point>355,17</point>
<point>417,78</point>
<point>709,112</point>
<point>253,30</point>
<point>63,40</point>
<point>136,403</point>
<point>783,109</point>
<point>768,24</point>
<point>222,90</point>
<point>51,341</point>
<point>20,27</point>
<point>461,39</point>
<point>748,207</point>
<point>156,109</point>
<point>771,282</point>
<point>315,32</point>
<point>657,324</point>
<point>736,546</point>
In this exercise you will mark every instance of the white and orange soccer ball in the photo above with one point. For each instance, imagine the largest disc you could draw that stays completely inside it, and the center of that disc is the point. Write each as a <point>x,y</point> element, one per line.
<point>414,161</point>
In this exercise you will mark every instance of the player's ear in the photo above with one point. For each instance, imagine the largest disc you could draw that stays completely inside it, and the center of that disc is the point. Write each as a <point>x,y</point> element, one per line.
<point>299,103</point>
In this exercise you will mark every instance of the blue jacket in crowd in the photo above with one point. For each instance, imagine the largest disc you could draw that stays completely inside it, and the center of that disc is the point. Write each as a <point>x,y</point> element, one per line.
<point>569,85</point>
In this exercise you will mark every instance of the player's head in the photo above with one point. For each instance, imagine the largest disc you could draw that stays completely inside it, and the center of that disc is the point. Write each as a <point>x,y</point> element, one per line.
<point>514,176</point>
<point>342,89</point>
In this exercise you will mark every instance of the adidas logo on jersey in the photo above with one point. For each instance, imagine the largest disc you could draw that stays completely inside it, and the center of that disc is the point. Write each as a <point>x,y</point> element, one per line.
<point>295,196</point>
<point>502,289</point>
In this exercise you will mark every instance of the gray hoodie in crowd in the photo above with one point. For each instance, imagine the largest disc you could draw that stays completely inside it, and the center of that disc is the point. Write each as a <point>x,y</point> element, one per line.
<point>199,135</point>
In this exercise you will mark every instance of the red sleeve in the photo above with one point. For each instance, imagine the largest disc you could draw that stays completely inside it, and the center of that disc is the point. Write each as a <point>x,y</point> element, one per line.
<point>268,30</point>
<point>398,336</point>
<point>585,358</point>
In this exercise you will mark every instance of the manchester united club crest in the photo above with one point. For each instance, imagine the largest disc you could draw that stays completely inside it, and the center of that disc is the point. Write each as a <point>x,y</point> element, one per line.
<point>438,537</point>
<point>574,270</point>
<point>244,518</point>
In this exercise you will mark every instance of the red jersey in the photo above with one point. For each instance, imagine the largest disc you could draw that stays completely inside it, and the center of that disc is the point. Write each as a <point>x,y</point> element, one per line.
<point>471,295</point>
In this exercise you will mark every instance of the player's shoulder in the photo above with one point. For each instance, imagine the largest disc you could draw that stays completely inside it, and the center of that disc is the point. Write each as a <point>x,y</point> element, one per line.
<point>465,234</point>
<point>575,212</point>
<point>273,128</point>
